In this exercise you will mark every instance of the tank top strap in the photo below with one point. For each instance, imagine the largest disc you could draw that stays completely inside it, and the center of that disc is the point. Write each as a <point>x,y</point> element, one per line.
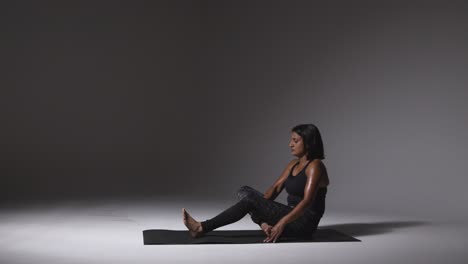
<point>305,167</point>
<point>307,164</point>
<point>297,163</point>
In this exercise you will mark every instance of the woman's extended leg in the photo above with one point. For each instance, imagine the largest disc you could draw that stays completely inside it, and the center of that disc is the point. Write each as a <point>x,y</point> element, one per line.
<point>250,200</point>
<point>261,210</point>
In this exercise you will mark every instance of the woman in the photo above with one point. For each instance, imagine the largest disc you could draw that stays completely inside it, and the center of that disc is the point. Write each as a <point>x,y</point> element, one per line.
<point>305,180</point>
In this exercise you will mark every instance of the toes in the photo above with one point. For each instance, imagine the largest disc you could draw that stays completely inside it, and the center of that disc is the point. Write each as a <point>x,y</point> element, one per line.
<point>187,215</point>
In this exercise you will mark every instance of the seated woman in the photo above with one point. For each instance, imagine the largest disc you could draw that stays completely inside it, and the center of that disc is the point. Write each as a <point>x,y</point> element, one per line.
<point>305,179</point>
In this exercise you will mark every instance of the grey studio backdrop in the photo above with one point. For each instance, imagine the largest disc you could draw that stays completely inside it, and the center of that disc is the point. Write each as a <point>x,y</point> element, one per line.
<point>193,99</point>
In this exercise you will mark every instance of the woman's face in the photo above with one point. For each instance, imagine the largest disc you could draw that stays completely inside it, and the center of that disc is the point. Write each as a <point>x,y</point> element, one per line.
<point>297,145</point>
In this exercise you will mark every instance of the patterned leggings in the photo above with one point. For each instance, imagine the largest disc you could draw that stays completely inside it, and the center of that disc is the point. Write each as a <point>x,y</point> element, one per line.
<point>262,210</point>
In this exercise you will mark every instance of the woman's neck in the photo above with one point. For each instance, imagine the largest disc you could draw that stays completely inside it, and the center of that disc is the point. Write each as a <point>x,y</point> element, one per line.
<point>303,160</point>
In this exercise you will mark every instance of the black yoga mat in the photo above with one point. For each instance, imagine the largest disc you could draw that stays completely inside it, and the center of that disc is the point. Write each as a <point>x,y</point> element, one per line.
<point>179,237</point>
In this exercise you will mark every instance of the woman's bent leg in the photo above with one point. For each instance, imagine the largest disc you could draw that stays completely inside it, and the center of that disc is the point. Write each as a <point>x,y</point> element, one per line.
<point>271,212</point>
<point>252,202</point>
<point>247,190</point>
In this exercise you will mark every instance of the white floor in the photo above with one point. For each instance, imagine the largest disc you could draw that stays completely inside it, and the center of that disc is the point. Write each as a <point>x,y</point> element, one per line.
<point>111,232</point>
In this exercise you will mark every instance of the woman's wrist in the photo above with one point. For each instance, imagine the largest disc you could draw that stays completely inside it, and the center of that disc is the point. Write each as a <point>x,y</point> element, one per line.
<point>282,222</point>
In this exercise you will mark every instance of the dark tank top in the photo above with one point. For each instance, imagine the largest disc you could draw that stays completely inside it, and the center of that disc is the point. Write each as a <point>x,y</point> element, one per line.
<point>295,188</point>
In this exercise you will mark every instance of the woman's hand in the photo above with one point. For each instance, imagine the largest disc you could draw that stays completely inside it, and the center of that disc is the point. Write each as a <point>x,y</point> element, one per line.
<point>275,232</point>
<point>266,228</point>
<point>269,193</point>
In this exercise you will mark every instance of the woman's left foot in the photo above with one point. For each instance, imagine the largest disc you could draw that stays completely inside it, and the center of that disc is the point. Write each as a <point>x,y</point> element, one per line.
<point>195,228</point>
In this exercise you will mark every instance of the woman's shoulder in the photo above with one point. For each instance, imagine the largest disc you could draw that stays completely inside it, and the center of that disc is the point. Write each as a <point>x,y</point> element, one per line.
<point>316,164</point>
<point>320,166</point>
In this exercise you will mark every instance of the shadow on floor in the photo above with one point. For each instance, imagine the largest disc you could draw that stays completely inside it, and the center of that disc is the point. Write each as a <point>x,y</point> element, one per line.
<point>367,229</point>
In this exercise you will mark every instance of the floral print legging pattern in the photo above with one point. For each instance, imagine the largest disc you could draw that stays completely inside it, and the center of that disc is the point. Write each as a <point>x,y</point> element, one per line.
<point>262,210</point>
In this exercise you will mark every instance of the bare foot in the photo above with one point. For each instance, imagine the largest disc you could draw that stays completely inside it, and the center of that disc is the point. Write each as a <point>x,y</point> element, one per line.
<point>195,228</point>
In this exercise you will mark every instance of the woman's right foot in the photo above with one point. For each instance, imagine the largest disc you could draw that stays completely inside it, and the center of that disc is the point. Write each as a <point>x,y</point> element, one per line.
<point>195,228</point>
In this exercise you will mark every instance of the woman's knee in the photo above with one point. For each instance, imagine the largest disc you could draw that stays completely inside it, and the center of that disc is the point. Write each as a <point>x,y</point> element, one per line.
<point>246,191</point>
<point>242,191</point>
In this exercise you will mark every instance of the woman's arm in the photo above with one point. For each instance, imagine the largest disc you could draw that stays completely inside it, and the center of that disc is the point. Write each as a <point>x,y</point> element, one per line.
<point>271,193</point>
<point>313,173</point>
<point>274,190</point>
